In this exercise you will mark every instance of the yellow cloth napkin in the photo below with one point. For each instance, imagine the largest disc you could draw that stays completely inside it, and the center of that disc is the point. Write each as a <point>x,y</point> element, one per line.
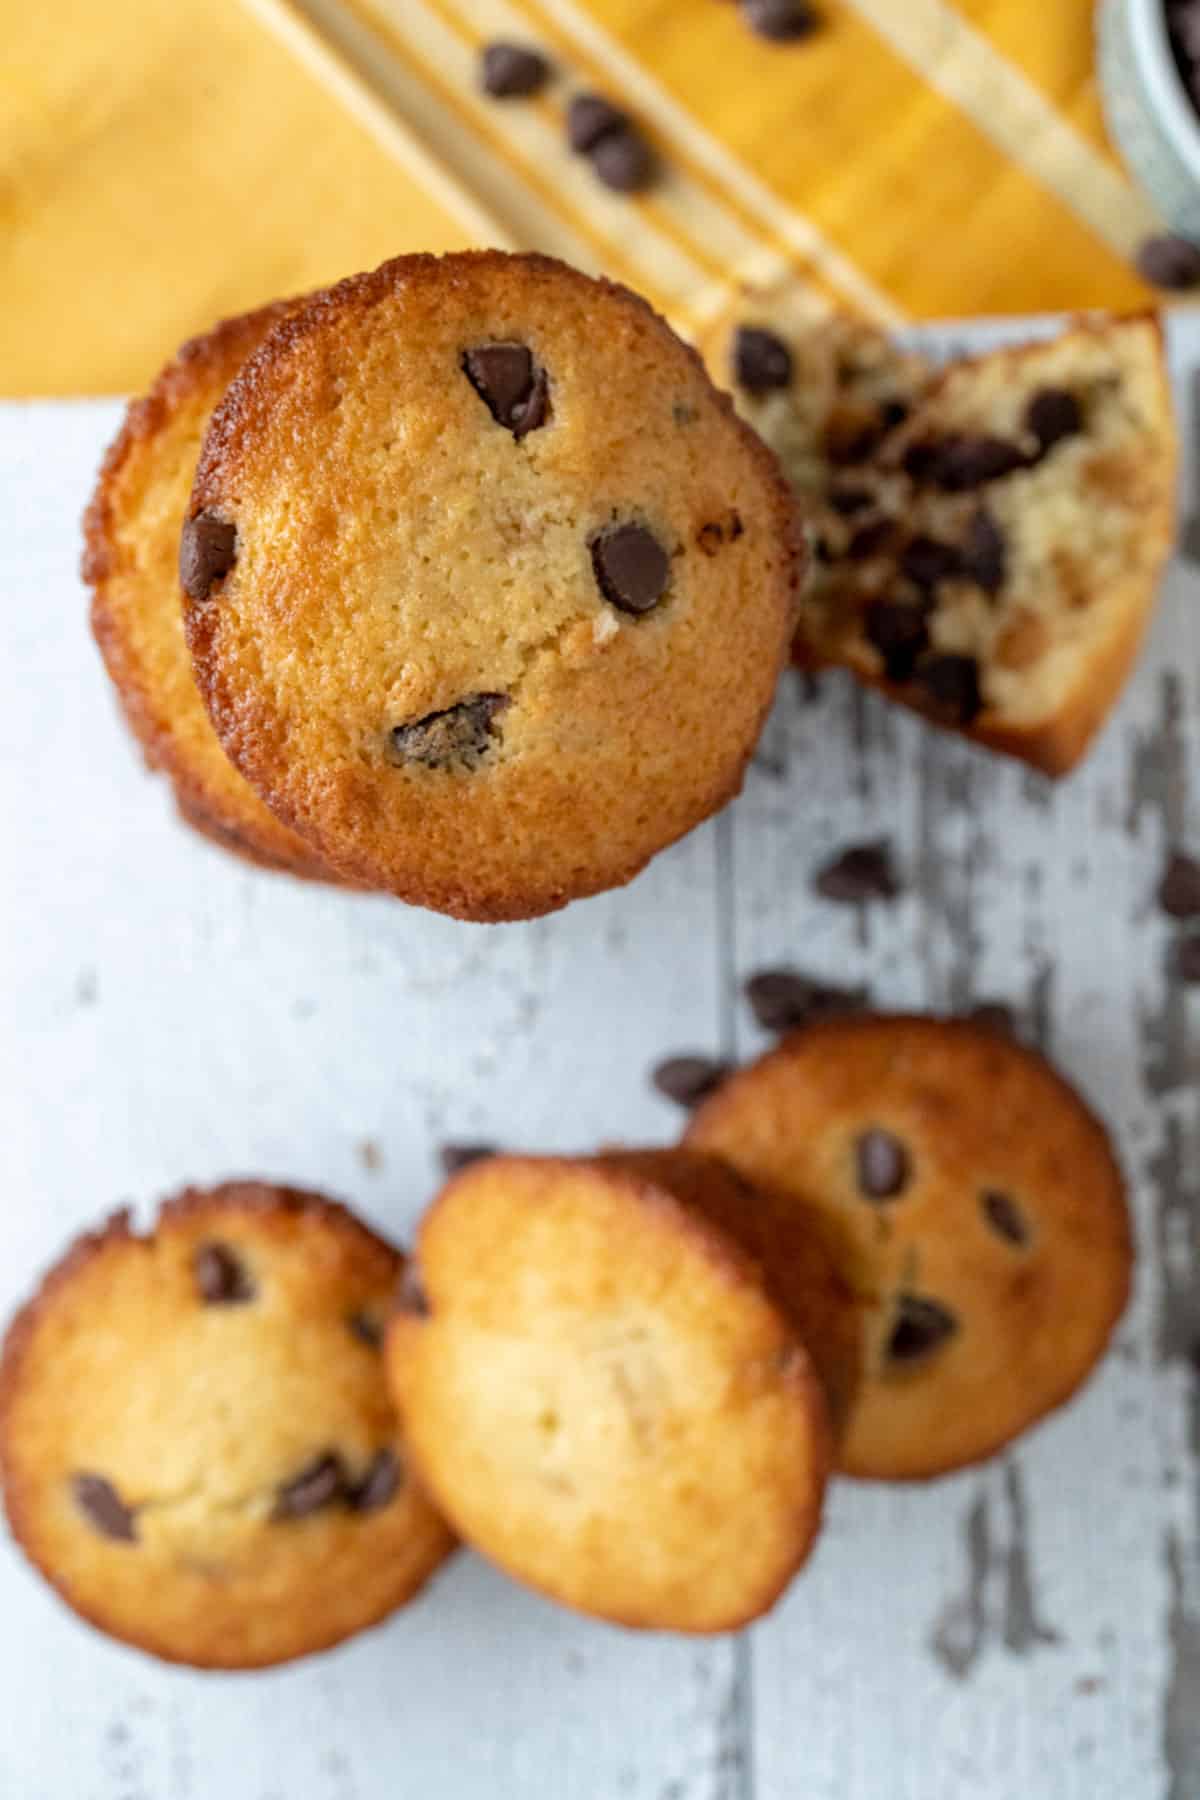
<point>162,164</point>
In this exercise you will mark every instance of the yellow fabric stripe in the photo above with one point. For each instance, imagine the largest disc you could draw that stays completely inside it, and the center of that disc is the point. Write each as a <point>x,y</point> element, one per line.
<point>846,131</point>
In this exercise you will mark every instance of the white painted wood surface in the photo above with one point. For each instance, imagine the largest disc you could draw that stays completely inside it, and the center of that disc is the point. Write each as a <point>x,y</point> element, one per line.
<point>1029,1630</point>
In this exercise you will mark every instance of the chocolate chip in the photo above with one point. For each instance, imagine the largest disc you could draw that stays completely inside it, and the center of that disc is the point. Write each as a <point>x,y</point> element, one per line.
<point>881,1163</point>
<point>367,1330</point>
<point>900,633</point>
<point>783,999</point>
<point>952,684</point>
<point>963,463</point>
<point>780,21</point>
<point>926,561</point>
<point>454,1157</point>
<point>850,439</point>
<point>591,117</point>
<point>1052,415</point>
<point>761,361</point>
<point>1004,1216</point>
<point>846,501</point>
<point>871,540</point>
<point>862,873</point>
<point>631,567</point>
<point>688,1079</point>
<point>511,385</point>
<point>709,538</point>
<point>919,1327</point>
<point>221,1276</point>
<point>99,1500</point>
<point>994,1015</point>
<point>379,1485</point>
<point>921,458</point>
<point>623,161</point>
<point>411,1298</point>
<point>1187,961</point>
<point>894,412</point>
<point>319,1484</point>
<point>1169,262</point>
<point>461,734</point>
<point>510,71</point>
<point>1179,889</point>
<point>207,551</point>
<point>985,552</point>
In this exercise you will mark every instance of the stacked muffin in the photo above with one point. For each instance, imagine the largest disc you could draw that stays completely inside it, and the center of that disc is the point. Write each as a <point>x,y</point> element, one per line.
<point>485,588</point>
<point>885,1249</point>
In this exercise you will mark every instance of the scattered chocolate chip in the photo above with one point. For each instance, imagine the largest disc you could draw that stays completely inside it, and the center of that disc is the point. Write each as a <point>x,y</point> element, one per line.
<point>952,683</point>
<point>846,501</point>
<point>461,734</point>
<point>994,1015</point>
<point>963,463</point>
<point>411,1297</point>
<point>862,873</point>
<point>367,1330</point>
<point>926,561</point>
<point>872,539</point>
<point>1187,961</point>
<point>207,551</point>
<point>103,1507</point>
<point>1179,889</point>
<point>221,1276</point>
<point>1004,1216</point>
<point>623,161</point>
<point>511,385</point>
<point>783,999</point>
<point>1052,415</point>
<point>985,552</point>
<point>780,21</point>
<point>379,1485</point>
<point>511,71</point>
<point>631,567</point>
<point>881,1163</point>
<point>1169,262</point>
<point>919,1327</point>
<point>761,361</point>
<point>688,1079</point>
<point>454,1157</point>
<point>591,117</point>
<point>318,1485</point>
<point>900,633</point>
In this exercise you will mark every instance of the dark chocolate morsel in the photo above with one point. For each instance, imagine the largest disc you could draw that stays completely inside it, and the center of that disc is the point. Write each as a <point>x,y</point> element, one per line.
<point>631,567</point>
<point>900,633</point>
<point>460,735</point>
<point>591,117</point>
<point>321,1483</point>
<point>454,1157</point>
<point>761,361</point>
<point>511,385</point>
<point>863,872</point>
<point>952,684</point>
<point>221,1276</point>
<point>103,1507</point>
<point>688,1079</point>
<point>379,1485</point>
<point>985,552</point>
<point>511,71</point>
<point>207,552</point>
<point>1004,1216</point>
<point>919,1327</point>
<point>1052,415</point>
<point>881,1164</point>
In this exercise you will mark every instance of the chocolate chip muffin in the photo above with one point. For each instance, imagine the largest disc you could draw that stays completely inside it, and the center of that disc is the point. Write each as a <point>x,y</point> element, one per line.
<point>1000,560</point>
<point>602,1393</point>
<point>488,589</point>
<point>973,1206</point>
<point>131,560</point>
<point>197,1446</point>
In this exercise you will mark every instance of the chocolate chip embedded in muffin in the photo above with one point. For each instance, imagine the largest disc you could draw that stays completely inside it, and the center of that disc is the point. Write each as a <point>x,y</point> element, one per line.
<point>511,71</point>
<point>1052,415</point>
<point>926,562</point>
<point>455,738</point>
<point>221,1276</point>
<point>881,1164</point>
<point>207,552</point>
<point>985,552</point>
<point>411,1297</point>
<point>103,1507</point>
<point>511,385</point>
<point>860,874</point>
<point>962,463</point>
<point>952,686</point>
<point>871,539</point>
<point>762,362</point>
<point>631,567</point>
<point>260,1473</point>
<point>919,1327</point>
<point>900,633</point>
<point>1004,1216</point>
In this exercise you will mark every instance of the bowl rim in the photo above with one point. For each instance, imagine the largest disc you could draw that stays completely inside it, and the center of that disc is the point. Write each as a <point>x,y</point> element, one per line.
<point>1169,97</point>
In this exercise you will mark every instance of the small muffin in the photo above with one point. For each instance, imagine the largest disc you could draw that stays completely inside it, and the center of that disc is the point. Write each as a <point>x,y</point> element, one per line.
<point>197,1446</point>
<point>131,560</point>
<point>602,1393</point>
<point>973,1206</point>
<point>488,588</point>
<point>1002,558</point>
